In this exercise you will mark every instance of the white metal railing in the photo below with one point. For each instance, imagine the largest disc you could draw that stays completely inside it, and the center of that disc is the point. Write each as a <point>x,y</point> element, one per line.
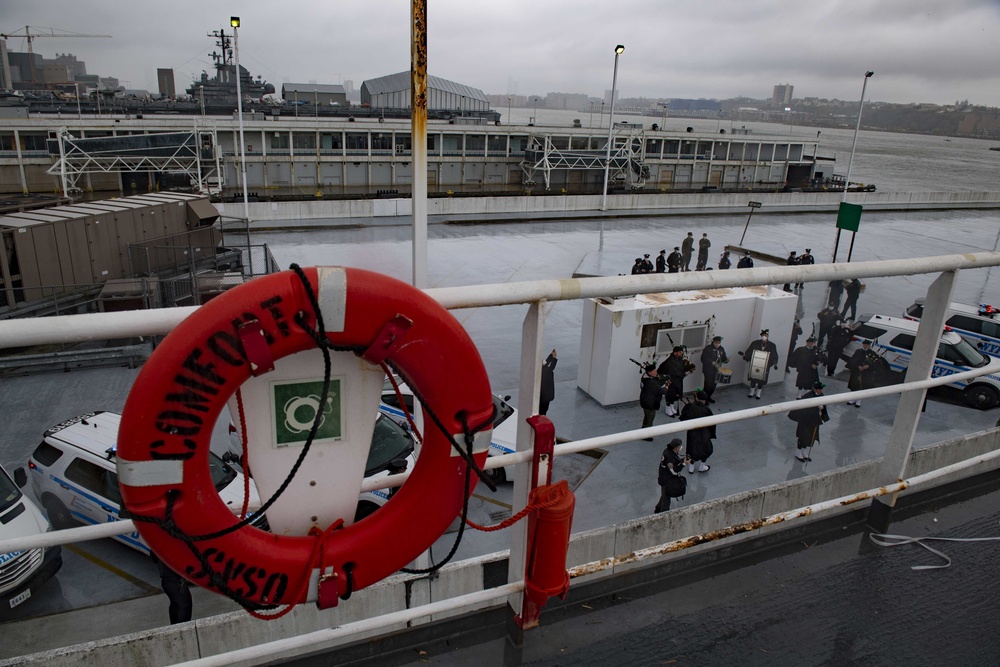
<point>105,325</point>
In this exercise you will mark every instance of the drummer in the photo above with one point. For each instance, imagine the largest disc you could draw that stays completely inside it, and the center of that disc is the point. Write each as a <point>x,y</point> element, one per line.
<point>762,356</point>
<point>712,359</point>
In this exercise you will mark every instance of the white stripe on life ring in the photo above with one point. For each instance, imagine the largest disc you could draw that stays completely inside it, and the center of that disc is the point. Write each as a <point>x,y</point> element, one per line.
<point>332,288</point>
<point>480,442</point>
<point>150,473</point>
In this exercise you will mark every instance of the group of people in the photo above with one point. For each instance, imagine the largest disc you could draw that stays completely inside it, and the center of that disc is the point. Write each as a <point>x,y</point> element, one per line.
<point>677,261</point>
<point>798,260</point>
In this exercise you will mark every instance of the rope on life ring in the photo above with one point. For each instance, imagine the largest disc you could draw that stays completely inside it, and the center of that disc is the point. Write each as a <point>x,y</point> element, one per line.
<point>168,419</point>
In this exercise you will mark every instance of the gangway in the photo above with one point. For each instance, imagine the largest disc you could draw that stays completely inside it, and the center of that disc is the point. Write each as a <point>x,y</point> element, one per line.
<point>627,163</point>
<point>193,153</point>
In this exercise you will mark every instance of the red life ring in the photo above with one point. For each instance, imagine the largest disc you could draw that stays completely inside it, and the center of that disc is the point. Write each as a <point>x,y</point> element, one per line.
<point>168,419</point>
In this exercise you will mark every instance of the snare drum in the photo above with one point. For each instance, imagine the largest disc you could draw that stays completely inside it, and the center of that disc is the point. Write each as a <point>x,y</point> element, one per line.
<point>725,376</point>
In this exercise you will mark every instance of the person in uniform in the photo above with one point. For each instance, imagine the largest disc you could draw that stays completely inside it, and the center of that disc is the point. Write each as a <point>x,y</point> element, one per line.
<point>177,590</point>
<point>651,391</point>
<point>839,337</point>
<point>827,318</point>
<point>669,476</point>
<point>647,265</point>
<point>661,262</point>
<point>853,290</point>
<point>863,365</point>
<point>712,358</point>
<point>724,261</point>
<point>767,347</point>
<point>674,261</point>
<point>805,260</point>
<point>807,361</point>
<point>703,245</point>
<point>792,260</point>
<point>746,262</point>
<point>687,247</point>
<point>547,391</point>
<point>699,440</point>
<point>796,332</point>
<point>808,420</point>
<point>675,367</point>
<point>836,293</point>
<point>637,267</point>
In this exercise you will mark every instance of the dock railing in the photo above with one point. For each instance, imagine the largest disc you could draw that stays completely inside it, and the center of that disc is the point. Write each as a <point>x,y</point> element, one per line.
<point>890,471</point>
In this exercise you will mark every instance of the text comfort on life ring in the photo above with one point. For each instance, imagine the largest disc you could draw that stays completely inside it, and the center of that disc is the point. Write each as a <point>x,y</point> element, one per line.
<point>167,423</point>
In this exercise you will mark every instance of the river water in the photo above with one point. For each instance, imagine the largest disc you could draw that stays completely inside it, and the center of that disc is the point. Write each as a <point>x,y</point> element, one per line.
<point>894,162</point>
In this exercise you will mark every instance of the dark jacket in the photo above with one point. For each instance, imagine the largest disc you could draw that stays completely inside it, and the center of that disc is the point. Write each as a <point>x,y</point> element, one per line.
<point>548,388</point>
<point>746,262</point>
<point>853,289</point>
<point>699,440</point>
<point>839,338</point>
<point>864,366</point>
<point>711,358</point>
<point>674,368</point>
<point>661,264</point>
<point>674,261</point>
<point>650,393</point>
<point>725,262</point>
<point>809,419</point>
<point>806,361</point>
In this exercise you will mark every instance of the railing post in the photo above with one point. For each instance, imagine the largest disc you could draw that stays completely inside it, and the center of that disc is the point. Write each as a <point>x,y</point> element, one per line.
<point>892,468</point>
<point>527,405</point>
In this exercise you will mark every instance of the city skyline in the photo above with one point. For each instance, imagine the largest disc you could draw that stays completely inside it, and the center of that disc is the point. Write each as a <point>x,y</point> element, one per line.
<point>921,51</point>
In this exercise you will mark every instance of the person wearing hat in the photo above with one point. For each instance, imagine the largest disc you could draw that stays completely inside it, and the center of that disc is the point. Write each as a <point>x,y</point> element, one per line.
<point>672,483</point>
<point>804,260</point>
<point>674,261</point>
<point>661,262</point>
<point>839,337</point>
<point>647,266</point>
<point>703,245</point>
<point>809,420</point>
<point>827,318</point>
<point>791,261</point>
<point>687,247</point>
<point>699,440</point>
<point>853,290</point>
<point>676,367</point>
<point>724,261</point>
<point>863,365</point>
<point>807,361</point>
<point>712,359</point>
<point>637,267</point>
<point>765,347</point>
<point>651,391</point>
<point>547,390</point>
<point>746,261</point>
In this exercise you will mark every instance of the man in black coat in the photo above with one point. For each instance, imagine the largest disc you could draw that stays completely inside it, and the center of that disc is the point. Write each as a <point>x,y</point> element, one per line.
<point>547,390</point>
<point>805,260</point>
<point>836,293</point>
<point>840,336</point>
<point>791,261</point>
<point>650,393</point>
<point>768,348</point>
<point>177,590</point>
<point>796,332</point>
<point>746,261</point>
<point>807,361</point>
<point>661,262</point>
<point>699,440</point>
<point>647,265</point>
<point>724,261</point>
<point>703,245</point>
<point>863,366</point>
<point>853,290</point>
<point>809,420</point>
<point>687,247</point>
<point>674,261</point>
<point>712,359</point>
<point>638,267</point>
<point>676,367</point>
<point>672,482</point>
<point>827,318</point>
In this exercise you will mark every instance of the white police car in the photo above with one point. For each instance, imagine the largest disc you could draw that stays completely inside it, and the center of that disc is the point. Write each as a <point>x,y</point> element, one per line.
<point>893,338</point>
<point>504,422</point>
<point>979,325</point>
<point>75,479</point>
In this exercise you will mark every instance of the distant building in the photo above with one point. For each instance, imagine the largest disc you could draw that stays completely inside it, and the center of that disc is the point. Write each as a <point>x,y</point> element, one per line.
<point>75,67</point>
<point>109,83</point>
<point>574,101</point>
<point>165,82</point>
<point>782,94</point>
<point>393,92</point>
<point>314,93</point>
<point>51,72</point>
<point>607,96</point>
<point>20,66</point>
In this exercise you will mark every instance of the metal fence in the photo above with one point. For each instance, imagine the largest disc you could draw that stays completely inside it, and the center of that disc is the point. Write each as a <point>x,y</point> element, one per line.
<point>202,250</point>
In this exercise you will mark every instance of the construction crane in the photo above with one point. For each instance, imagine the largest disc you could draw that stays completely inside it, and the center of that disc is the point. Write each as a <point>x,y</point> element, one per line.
<point>30,36</point>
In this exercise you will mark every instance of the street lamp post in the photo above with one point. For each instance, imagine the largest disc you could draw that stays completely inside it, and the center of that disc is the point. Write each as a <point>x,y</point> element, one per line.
<point>79,112</point>
<point>235,23</point>
<point>316,103</point>
<point>508,109</point>
<point>850,163</point>
<point>611,125</point>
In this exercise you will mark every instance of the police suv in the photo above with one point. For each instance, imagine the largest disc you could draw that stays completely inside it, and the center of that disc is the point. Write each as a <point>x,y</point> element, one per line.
<point>893,338</point>
<point>75,479</point>
<point>22,572</point>
<point>979,325</point>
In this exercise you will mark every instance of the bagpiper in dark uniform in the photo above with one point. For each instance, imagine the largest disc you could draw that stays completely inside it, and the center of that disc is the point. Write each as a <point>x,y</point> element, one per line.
<point>840,336</point>
<point>809,420</point>
<point>767,347</point>
<point>712,358</point>
<point>807,361</point>
<point>863,365</point>
<point>699,440</point>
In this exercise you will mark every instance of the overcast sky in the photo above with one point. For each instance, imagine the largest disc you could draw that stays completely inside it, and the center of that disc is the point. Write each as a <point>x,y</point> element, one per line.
<point>921,50</point>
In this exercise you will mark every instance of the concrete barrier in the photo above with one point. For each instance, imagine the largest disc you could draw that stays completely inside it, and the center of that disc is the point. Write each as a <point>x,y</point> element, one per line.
<point>495,208</point>
<point>235,630</point>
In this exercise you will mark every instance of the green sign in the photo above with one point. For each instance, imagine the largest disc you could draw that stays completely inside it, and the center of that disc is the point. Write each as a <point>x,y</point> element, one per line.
<point>849,217</point>
<point>296,405</point>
